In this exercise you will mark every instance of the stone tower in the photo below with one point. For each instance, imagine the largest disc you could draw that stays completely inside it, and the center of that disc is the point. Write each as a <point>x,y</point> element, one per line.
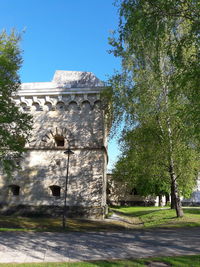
<point>66,112</point>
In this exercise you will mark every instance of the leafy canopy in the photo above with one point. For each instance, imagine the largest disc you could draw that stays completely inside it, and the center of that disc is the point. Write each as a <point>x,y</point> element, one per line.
<point>157,93</point>
<point>14,124</point>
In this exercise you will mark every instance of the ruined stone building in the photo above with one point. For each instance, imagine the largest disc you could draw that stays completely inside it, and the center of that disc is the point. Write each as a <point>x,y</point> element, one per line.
<point>66,112</point>
<point>120,194</point>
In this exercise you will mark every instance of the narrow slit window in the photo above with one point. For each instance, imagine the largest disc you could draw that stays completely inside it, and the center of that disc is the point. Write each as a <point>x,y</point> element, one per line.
<point>14,190</point>
<point>59,139</point>
<point>55,189</point>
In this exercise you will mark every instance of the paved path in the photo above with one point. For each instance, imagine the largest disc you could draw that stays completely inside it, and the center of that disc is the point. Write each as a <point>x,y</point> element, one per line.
<point>76,246</point>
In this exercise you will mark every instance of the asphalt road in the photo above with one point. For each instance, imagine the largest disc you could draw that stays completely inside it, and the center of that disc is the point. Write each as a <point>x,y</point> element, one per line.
<point>80,246</point>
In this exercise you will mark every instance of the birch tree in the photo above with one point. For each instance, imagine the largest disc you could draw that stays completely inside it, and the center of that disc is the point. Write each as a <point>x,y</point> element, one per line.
<point>158,42</point>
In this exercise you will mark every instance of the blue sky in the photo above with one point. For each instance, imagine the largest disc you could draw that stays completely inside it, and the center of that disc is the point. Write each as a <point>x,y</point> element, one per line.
<point>63,35</point>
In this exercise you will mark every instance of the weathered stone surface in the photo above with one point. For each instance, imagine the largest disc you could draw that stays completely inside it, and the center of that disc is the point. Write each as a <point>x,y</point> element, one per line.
<point>195,197</point>
<point>76,79</point>
<point>120,194</point>
<point>76,116</point>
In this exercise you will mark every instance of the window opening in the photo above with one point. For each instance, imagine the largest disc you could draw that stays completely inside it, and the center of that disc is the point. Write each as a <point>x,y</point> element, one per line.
<point>60,106</point>
<point>58,162</point>
<point>134,192</point>
<point>108,192</point>
<point>14,189</point>
<point>59,139</point>
<point>55,189</point>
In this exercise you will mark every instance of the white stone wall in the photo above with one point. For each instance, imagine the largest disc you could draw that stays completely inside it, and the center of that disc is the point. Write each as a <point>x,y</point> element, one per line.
<point>195,197</point>
<point>119,193</point>
<point>43,168</point>
<point>79,122</point>
<point>77,115</point>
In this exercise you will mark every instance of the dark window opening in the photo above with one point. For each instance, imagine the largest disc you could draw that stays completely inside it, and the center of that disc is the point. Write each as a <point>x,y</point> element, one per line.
<point>58,162</point>
<point>55,189</point>
<point>108,192</point>
<point>17,162</point>
<point>14,189</point>
<point>134,192</point>
<point>59,139</point>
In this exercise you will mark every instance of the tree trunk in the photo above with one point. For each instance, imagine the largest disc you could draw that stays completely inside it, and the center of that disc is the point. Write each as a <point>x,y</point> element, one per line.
<point>159,200</point>
<point>172,198</point>
<point>174,185</point>
<point>166,199</point>
<point>175,193</point>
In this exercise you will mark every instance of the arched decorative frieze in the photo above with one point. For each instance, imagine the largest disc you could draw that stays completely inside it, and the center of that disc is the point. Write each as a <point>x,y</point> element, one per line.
<point>37,100</point>
<point>53,100</point>
<point>60,106</point>
<point>85,97</point>
<point>97,105</point>
<point>37,104</point>
<point>24,107</point>
<point>59,102</point>
<point>79,100</point>
<point>24,100</point>
<point>92,98</point>
<point>48,106</point>
<point>72,97</point>
<point>60,98</point>
<point>36,107</point>
<point>47,99</point>
<point>66,99</point>
<point>86,106</point>
<point>24,104</point>
<point>73,106</point>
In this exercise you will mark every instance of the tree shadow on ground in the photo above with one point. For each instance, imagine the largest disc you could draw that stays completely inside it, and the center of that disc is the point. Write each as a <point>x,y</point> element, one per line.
<point>55,224</point>
<point>96,246</point>
<point>192,211</point>
<point>133,213</point>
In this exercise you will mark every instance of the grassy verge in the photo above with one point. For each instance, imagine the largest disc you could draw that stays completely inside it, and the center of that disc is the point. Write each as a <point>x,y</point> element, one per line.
<point>17,223</point>
<point>131,218</point>
<point>145,217</point>
<point>181,261</point>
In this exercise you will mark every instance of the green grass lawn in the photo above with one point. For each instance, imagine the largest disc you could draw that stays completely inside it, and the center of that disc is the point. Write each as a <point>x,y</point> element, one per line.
<point>181,261</point>
<point>18,223</point>
<point>144,217</point>
<point>132,218</point>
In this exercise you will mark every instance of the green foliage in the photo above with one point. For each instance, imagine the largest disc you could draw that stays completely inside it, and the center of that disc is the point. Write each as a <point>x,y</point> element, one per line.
<point>158,42</point>
<point>144,163</point>
<point>14,124</point>
<point>157,93</point>
<point>155,217</point>
<point>176,261</point>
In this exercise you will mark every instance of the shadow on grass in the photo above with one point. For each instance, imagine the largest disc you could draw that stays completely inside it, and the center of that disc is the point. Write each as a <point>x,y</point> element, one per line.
<point>119,263</point>
<point>13,223</point>
<point>192,211</point>
<point>133,213</point>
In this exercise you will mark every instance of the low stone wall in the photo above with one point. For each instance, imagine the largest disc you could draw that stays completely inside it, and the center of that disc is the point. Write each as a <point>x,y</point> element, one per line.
<point>132,203</point>
<point>190,204</point>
